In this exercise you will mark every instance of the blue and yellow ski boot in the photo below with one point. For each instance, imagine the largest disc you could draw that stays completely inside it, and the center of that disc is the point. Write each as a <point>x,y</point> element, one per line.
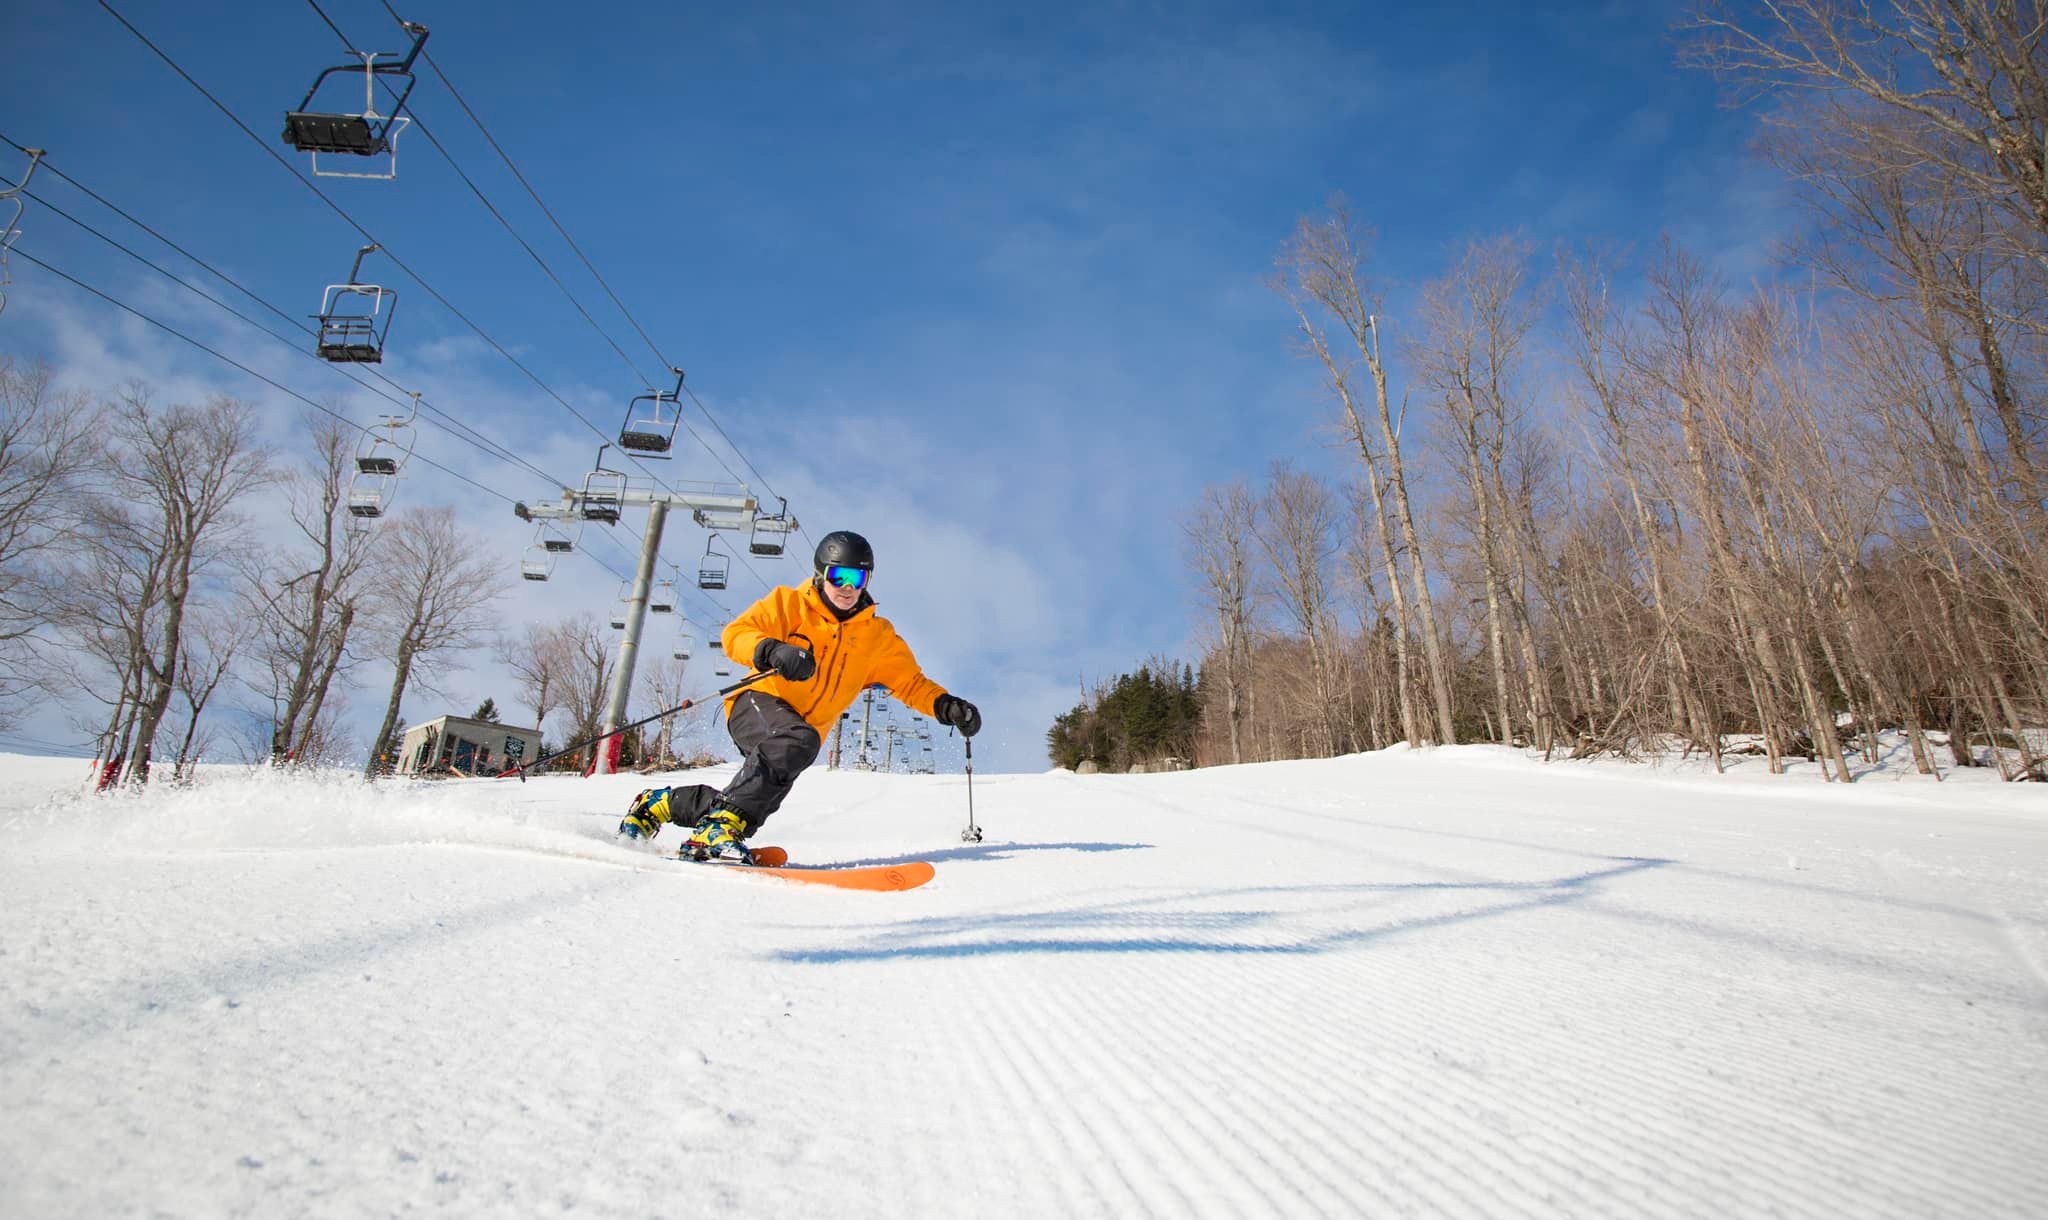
<point>717,833</point>
<point>648,812</point>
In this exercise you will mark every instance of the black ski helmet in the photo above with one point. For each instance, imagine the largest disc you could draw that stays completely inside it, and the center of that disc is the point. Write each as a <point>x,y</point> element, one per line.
<point>844,548</point>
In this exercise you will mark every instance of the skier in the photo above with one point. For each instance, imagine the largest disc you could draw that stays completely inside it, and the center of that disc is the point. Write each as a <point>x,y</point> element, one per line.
<point>825,644</point>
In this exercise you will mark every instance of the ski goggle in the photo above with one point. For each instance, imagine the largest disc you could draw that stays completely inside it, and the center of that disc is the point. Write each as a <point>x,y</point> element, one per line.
<point>840,576</point>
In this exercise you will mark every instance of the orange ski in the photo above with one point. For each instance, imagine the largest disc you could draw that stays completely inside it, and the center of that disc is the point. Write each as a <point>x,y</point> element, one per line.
<point>774,861</point>
<point>877,877</point>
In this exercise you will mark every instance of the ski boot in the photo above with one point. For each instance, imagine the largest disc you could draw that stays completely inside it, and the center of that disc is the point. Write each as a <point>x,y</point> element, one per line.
<point>717,833</point>
<point>648,812</point>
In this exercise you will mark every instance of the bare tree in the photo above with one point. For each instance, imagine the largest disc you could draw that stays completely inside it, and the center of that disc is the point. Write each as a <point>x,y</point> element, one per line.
<point>1294,529</point>
<point>1475,323</point>
<point>211,643</point>
<point>540,658</point>
<point>587,659</point>
<point>433,583</point>
<point>1323,266</point>
<point>1219,534</point>
<point>46,444</point>
<point>663,682</point>
<point>1625,440</point>
<point>162,518</point>
<point>1965,79</point>
<point>308,600</point>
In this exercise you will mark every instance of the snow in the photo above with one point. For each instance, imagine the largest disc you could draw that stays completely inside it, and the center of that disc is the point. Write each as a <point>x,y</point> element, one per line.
<point>1454,982</point>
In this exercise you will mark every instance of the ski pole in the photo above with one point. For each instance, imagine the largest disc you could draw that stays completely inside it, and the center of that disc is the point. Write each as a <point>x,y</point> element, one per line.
<point>684,706</point>
<point>973,833</point>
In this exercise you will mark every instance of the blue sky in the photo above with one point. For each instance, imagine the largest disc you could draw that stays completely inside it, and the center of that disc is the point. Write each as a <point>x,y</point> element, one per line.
<point>988,284</point>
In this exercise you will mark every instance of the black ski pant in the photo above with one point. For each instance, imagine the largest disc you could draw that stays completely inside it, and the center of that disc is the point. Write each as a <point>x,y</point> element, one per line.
<point>777,745</point>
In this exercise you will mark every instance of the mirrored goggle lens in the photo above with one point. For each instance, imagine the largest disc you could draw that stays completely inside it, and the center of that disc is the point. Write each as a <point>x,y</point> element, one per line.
<point>847,578</point>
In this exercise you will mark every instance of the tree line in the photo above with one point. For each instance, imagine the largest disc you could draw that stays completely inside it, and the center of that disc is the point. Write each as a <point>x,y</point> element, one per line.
<point>132,575</point>
<point>1760,518</point>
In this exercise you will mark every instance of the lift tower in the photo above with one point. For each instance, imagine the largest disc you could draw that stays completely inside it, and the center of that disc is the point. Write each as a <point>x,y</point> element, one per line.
<point>605,507</point>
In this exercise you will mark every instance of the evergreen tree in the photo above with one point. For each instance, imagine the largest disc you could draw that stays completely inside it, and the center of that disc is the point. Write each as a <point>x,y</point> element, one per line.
<point>1143,717</point>
<point>486,711</point>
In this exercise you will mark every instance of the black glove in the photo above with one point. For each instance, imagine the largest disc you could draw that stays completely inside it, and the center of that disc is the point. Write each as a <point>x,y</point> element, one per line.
<point>958,712</point>
<point>796,664</point>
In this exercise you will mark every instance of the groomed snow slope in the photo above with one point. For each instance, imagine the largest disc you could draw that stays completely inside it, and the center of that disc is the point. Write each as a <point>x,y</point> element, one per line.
<point>1442,983</point>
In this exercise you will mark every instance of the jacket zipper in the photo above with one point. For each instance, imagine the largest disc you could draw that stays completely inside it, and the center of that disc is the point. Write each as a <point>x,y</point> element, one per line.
<point>837,665</point>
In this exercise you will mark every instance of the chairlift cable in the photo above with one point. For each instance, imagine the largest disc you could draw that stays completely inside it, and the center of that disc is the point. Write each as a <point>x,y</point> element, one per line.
<point>230,360</point>
<point>330,25</point>
<point>756,471</point>
<point>484,199</point>
<point>570,241</point>
<point>368,236</point>
<point>535,196</point>
<point>454,426</point>
<point>420,125</point>
<point>490,449</point>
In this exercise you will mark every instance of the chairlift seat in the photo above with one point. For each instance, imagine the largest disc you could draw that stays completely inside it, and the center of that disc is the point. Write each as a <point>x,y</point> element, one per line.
<point>533,569</point>
<point>558,546</point>
<point>335,133</point>
<point>365,504</point>
<point>350,340</point>
<point>770,532</point>
<point>354,336</point>
<point>644,442</point>
<point>648,428</point>
<point>711,578</point>
<point>364,134</point>
<point>604,496</point>
<point>377,463</point>
<point>618,621</point>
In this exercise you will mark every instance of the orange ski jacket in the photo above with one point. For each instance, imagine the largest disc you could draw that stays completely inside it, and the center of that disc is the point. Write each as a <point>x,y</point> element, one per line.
<point>862,650</point>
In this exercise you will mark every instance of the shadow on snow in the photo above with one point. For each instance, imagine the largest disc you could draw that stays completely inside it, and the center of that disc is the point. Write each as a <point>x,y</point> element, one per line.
<point>1094,929</point>
<point>973,851</point>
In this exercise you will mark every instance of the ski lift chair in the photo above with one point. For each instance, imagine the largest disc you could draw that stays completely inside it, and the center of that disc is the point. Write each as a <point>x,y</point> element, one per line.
<point>354,318</point>
<point>388,443</point>
<point>661,599</point>
<point>771,532</point>
<point>553,536</point>
<point>712,569</point>
<point>683,641</point>
<point>536,563</point>
<point>368,494</point>
<point>604,494</point>
<point>623,607</point>
<point>367,134</point>
<point>649,429</point>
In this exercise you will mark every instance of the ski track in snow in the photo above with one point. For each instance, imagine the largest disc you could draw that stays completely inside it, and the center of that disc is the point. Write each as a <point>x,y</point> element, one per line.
<point>1440,983</point>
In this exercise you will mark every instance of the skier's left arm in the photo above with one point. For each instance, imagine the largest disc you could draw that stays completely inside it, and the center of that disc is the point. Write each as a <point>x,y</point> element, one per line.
<point>896,668</point>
